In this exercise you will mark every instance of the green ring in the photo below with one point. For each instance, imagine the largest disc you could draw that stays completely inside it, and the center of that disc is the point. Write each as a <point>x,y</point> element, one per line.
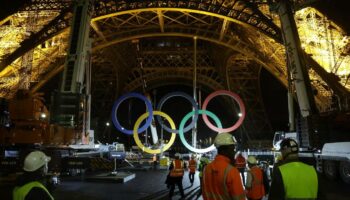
<point>181,130</point>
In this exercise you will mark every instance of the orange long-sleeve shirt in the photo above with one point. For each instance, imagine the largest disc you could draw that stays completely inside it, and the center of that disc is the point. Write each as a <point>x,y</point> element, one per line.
<point>222,181</point>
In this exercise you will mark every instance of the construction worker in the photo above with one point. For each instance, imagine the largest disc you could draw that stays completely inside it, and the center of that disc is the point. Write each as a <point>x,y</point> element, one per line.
<point>175,176</point>
<point>29,186</point>
<point>204,161</point>
<point>293,179</point>
<point>192,167</point>
<point>255,180</point>
<point>154,160</point>
<point>277,162</point>
<point>221,180</point>
<point>240,163</point>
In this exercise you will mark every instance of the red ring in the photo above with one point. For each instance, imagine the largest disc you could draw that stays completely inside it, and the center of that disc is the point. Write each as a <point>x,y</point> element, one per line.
<point>236,98</point>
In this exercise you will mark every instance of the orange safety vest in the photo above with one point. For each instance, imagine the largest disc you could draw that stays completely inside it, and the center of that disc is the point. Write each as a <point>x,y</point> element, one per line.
<point>257,190</point>
<point>222,181</point>
<point>240,162</point>
<point>192,165</point>
<point>178,169</point>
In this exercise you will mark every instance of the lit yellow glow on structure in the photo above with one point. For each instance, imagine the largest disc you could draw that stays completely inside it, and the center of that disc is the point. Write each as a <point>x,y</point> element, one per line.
<point>320,37</point>
<point>31,66</point>
<point>326,42</point>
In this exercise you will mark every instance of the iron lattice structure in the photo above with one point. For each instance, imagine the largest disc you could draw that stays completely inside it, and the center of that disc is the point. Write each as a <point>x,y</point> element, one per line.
<point>240,38</point>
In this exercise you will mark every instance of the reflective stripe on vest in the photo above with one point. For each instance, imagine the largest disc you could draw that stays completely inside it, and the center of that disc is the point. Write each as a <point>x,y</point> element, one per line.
<point>20,193</point>
<point>226,195</point>
<point>257,190</point>
<point>300,180</point>
<point>177,170</point>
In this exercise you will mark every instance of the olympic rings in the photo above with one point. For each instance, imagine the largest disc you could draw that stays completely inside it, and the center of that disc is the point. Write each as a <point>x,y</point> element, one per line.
<point>149,115</point>
<point>137,139</point>
<point>180,94</point>
<point>181,130</point>
<point>241,107</point>
<point>117,104</point>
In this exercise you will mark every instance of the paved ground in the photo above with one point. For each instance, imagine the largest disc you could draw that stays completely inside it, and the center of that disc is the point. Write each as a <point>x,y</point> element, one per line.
<point>146,185</point>
<point>149,185</point>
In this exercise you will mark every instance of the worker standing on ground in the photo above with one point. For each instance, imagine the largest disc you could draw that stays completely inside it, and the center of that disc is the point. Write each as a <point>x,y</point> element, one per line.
<point>204,161</point>
<point>277,162</point>
<point>240,163</point>
<point>175,176</point>
<point>192,167</point>
<point>255,180</point>
<point>221,180</point>
<point>30,186</point>
<point>154,160</point>
<point>293,179</point>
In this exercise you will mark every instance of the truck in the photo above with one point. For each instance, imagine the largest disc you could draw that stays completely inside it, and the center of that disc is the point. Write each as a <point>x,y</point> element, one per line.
<point>324,138</point>
<point>332,158</point>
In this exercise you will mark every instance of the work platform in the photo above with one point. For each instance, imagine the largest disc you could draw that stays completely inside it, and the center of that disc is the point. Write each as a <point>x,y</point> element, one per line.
<point>111,177</point>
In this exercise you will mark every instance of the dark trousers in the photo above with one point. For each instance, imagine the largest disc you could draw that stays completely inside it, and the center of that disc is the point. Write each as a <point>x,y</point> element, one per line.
<point>241,170</point>
<point>191,176</point>
<point>176,181</point>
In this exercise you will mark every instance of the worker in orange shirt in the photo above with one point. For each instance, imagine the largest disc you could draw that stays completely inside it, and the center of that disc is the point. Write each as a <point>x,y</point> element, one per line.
<point>240,163</point>
<point>255,180</point>
<point>192,167</point>
<point>221,180</point>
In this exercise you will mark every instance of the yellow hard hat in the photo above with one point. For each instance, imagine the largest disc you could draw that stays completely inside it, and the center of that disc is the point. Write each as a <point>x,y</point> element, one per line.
<point>252,160</point>
<point>224,139</point>
<point>204,159</point>
<point>35,160</point>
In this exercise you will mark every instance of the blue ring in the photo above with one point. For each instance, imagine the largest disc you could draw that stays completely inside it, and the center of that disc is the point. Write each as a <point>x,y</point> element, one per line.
<point>117,104</point>
<point>180,94</point>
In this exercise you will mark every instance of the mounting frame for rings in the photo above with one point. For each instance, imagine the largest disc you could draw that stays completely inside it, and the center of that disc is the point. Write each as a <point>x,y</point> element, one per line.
<point>115,110</point>
<point>178,94</point>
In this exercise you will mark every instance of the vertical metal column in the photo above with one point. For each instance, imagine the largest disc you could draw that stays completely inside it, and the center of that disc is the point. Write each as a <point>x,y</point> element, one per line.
<point>297,67</point>
<point>194,130</point>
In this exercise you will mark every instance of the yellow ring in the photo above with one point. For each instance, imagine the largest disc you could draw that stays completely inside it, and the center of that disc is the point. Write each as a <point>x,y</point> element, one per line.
<point>138,141</point>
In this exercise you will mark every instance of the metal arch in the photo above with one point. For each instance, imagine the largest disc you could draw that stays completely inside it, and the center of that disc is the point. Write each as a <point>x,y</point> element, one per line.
<point>153,75</point>
<point>230,42</point>
<point>57,28</point>
<point>237,11</point>
<point>109,8</point>
<point>233,43</point>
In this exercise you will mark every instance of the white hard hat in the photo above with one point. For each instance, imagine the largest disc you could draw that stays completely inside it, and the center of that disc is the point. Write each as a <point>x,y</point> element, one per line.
<point>35,160</point>
<point>224,139</point>
<point>177,155</point>
<point>252,160</point>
